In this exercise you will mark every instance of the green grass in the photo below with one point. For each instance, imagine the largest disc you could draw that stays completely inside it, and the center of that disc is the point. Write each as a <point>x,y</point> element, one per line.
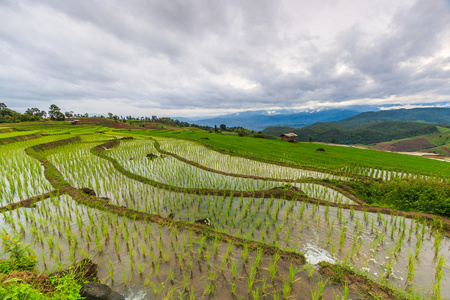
<point>305,154</point>
<point>443,129</point>
<point>439,139</point>
<point>17,133</point>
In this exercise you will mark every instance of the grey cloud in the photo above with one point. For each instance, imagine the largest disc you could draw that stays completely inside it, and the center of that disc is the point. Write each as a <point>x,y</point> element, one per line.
<point>202,54</point>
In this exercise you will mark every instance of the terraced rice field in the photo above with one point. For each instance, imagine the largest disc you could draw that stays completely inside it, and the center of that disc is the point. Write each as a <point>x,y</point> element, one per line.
<point>270,227</point>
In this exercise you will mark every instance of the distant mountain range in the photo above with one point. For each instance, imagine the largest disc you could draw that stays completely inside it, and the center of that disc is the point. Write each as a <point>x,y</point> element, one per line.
<point>371,127</point>
<point>258,120</point>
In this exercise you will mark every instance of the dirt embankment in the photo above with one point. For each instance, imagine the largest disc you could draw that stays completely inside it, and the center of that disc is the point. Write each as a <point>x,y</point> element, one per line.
<point>358,283</point>
<point>83,271</point>
<point>30,202</point>
<point>20,138</point>
<point>103,122</point>
<point>416,144</point>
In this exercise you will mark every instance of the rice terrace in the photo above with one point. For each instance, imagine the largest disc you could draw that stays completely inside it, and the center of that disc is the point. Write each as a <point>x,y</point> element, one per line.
<point>183,213</point>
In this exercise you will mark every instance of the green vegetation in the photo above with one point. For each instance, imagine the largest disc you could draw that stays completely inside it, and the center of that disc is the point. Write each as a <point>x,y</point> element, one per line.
<point>25,283</point>
<point>336,158</point>
<point>372,127</point>
<point>166,215</point>
<point>365,133</point>
<point>424,195</point>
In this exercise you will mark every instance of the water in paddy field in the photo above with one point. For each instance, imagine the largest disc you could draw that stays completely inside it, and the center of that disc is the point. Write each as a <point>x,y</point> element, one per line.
<point>144,261</point>
<point>300,226</point>
<point>368,241</point>
<point>225,162</point>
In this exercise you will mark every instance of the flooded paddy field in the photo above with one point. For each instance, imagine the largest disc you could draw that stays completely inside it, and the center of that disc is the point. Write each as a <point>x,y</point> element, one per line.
<point>145,260</point>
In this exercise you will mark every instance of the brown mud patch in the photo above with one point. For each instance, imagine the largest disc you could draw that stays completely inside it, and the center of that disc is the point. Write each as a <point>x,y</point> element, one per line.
<point>103,122</point>
<point>358,283</point>
<point>411,145</point>
<point>30,202</point>
<point>85,270</point>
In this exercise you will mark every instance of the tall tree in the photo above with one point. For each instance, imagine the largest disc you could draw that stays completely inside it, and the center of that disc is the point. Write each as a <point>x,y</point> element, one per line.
<point>54,112</point>
<point>69,114</point>
<point>2,106</point>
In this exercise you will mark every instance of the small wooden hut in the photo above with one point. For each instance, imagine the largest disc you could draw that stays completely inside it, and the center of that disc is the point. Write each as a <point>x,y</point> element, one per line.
<point>74,122</point>
<point>288,137</point>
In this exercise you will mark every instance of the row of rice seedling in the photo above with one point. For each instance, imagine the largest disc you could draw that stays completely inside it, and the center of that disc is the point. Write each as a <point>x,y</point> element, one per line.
<point>321,192</point>
<point>388,261</point>
<point>21,176</point>
<point>146,261</point>
<point>132,155</point>
<point>4,135</point>
<point>385,174</point>
<point>233,164</point>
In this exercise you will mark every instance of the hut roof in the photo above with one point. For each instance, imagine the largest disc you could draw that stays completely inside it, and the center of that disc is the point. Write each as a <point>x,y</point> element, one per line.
<point>291,134</point>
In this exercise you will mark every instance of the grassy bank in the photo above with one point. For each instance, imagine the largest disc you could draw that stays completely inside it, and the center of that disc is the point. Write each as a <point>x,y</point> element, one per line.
<point>305,154</point>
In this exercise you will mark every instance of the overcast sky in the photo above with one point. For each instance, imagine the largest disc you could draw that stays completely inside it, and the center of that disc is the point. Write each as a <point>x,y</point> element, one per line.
<point>187,58</point>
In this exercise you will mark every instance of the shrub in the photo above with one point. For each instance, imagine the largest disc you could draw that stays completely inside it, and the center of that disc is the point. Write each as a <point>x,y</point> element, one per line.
<point>424,195</point>
<point>21,257</point>
<point>11,290</point>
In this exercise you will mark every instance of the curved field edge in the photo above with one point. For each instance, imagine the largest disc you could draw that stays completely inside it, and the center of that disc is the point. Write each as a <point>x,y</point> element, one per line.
<point>315,181</point>
<point>57,181</point>
<point>30,202</point>
<point>360,283</point>
<point>296,154</point>
<point>98,150</point>
<point>255,158</point>
<point>432,220</point>
<point>20,138</point>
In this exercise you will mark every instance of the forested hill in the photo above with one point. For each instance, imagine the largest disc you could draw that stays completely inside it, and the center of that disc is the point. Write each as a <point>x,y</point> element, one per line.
<point>372,127</point>
<point>432,115</point>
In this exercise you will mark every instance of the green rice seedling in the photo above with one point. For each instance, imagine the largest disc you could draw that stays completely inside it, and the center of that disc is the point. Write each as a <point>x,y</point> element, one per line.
<point>256,294</point>
<point>419,245</point>
<point>156,268</point>
<point>333,246</point>
<point>310,269</point>
<point>244,254</point>
<point>342,236</point>
<point>399,245</point>
<point>233,270</point>
<point>258,257</point>
<point>437,242</point>
<point>166,255</point>
<point>251,279</point>
<point>286,289</point>
<point>43,258</point>
<point>124,278</point>
<point>292,272</point>
<point>388,270</point>
<point>438,277</point>
<point>233,287</point>
<point>321,287</point>
<point>411,266</point>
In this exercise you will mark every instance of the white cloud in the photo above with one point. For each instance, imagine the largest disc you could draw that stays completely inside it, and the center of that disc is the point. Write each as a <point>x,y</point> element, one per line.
<point>191,57</point>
